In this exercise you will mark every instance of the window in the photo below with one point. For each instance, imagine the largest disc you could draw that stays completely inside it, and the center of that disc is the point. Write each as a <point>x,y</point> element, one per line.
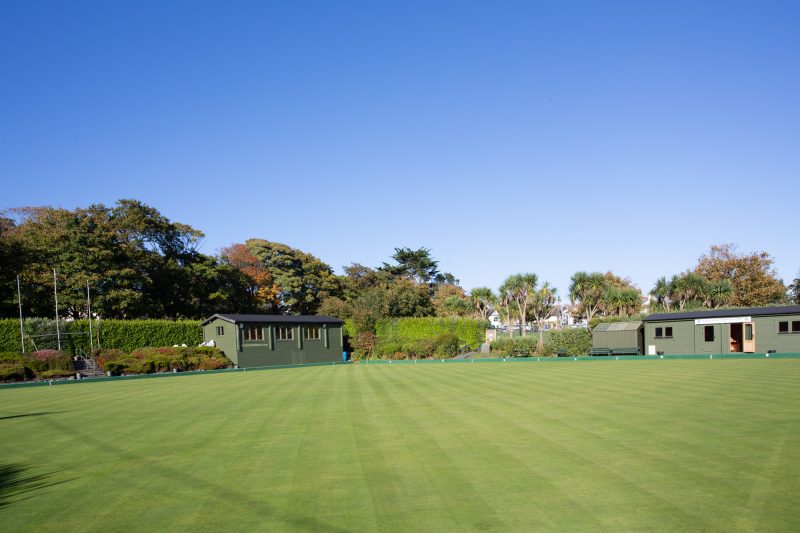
<point>783,327</point>
<point>284,333</point>
<point>709,333</point>
<point>253,333</point>
<point>220,330</point>
<point>795,326</point>
<point>312,333</point>
<point>659,332</point>
<point>668,332</point>
<point>748,332</point>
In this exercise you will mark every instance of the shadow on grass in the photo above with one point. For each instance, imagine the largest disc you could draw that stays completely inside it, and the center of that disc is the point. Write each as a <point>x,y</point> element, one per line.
<point>16,483</point>
<point>42,413</point>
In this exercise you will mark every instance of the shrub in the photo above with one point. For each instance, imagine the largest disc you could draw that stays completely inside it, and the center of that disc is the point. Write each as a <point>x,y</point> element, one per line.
<point>446,345</point>
<point>14,372</point>
<point>508,346</point>
<point>54,374</point>
<point>363,344</point>
<point>574,341</point>
<point>469,331</point>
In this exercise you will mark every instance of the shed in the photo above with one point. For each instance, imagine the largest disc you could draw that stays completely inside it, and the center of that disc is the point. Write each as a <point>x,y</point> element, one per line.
<point>721,331</point>
<point>619,338</point>
<point>271,340</point>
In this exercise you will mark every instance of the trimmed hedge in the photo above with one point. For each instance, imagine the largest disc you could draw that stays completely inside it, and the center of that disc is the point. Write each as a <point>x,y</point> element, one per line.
<point>470,331</point>
<point>573,341</point>
<point>126,335</point>
<point>402,338</point>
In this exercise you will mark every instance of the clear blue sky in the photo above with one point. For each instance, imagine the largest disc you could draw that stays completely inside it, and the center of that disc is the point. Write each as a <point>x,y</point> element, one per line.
<point>543,137</point>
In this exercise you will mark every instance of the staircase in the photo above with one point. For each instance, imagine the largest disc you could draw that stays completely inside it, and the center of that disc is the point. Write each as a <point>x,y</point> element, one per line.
<point>88,367</point>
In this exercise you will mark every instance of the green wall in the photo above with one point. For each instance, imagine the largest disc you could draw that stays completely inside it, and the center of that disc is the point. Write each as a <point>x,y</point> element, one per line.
<point>270,351</point>
<point>689,338</point>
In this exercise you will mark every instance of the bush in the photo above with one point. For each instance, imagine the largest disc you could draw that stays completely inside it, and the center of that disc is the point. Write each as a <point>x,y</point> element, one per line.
<point>54,374</point>
<point>14,372</point>
<point>446,345</point>
<point>469,331</point>
<point>509,346</point>
<point>574,341</point>
<point>364,345</point>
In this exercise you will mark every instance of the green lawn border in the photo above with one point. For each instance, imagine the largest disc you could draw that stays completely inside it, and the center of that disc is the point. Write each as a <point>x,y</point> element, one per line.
<point>414,362</point>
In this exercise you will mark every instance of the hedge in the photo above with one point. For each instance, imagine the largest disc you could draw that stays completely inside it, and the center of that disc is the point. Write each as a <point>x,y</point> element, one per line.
<point>425,337</point>
<point>126,335</point>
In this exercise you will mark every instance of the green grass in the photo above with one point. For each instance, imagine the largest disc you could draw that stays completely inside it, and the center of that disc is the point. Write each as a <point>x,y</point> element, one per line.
<point>580,446</point>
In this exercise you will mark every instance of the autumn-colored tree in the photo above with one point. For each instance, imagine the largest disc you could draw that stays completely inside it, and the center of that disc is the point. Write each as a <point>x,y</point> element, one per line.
<point>263,289</point>
<point>753,277</point>
<point>441,294</point>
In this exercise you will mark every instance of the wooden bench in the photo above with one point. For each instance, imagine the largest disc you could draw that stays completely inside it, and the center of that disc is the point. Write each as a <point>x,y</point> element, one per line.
<point>562,353</point>
<point>626,351</point>
<point>594,352</point>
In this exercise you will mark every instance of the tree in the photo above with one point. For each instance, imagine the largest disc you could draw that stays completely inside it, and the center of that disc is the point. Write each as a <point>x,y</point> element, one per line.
<point>303,281</point>
<point>719,292</point>
<point>544,299</point>
<point>418,266</point>
<point>752,276</point>
<point>588,289</point>
<point>794,289</point>
<point>483,299</point>
<point>520,289</point>
<point>442,294</point>
<point>261,289</point>
<point>661,292</point>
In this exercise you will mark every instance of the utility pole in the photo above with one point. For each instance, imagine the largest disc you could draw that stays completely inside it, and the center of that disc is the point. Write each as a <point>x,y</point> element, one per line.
<point>89,302</point>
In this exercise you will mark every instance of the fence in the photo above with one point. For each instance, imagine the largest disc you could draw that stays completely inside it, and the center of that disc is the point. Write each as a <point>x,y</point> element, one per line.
<point>421,362</point>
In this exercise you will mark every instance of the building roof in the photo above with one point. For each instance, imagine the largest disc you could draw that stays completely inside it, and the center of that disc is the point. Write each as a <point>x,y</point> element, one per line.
<point>618,326</point>
<point>265,319</point>
<point>720,313</point>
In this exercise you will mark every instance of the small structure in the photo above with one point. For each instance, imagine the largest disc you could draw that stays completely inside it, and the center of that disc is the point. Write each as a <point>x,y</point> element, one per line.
<point>721,331</point>
<point>618,338</point>
<point>270,340</point>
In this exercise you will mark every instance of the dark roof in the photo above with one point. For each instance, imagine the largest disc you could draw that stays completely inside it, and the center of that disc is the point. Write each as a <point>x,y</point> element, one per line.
<point>264,319</point>
<point>719,313</point>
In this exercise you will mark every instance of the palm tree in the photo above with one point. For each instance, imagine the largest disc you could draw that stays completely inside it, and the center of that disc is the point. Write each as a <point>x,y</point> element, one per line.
<point>588,288</point>
<point>661,292</point>
<point>482,299</point>
<point>720,292</point>
<point>520,288</point>
<point>543,302</point>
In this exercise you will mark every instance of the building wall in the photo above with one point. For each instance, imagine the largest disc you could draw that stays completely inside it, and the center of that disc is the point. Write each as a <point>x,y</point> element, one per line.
<point>227,342</point>
<point>270,351</point>
<point>689,338</point>
<point>616,339</point>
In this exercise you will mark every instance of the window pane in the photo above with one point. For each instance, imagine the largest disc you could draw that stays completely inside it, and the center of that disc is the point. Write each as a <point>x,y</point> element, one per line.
<point>709,333</point>
<point>795,326</point>
<point>659,332</point>
<point>668,332</point>
<point>783,327</point>
<point>748,332</point>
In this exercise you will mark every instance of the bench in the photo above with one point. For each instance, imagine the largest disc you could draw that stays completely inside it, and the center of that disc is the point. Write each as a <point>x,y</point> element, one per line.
<point>599,351</point>
<point>562,353</point>
<point>626,351</point>
<point>519,352</point>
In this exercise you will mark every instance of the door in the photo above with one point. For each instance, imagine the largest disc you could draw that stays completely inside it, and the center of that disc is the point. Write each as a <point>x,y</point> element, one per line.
<point>749,343</point>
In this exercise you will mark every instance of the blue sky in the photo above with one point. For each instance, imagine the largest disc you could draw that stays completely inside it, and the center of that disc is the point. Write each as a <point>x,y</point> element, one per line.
<point>507,137</point>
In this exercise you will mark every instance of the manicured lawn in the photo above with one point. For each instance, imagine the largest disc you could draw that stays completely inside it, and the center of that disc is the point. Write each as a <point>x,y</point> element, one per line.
<point>578,446</point>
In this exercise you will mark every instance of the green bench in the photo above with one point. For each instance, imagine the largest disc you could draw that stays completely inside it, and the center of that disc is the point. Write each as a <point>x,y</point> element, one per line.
<point>599,351</point>
<point>626,351</point>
